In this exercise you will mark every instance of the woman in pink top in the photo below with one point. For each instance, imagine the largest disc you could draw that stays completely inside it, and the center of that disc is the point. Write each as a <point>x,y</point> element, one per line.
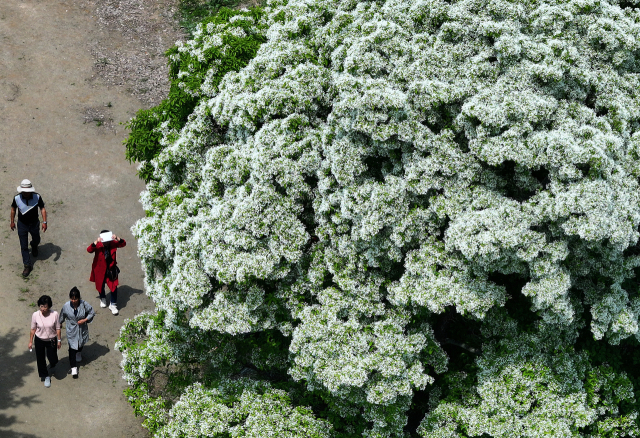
<point>45,333</point>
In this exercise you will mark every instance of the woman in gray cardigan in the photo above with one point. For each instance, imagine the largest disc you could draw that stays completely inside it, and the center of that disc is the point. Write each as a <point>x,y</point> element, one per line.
<point>78,314</point>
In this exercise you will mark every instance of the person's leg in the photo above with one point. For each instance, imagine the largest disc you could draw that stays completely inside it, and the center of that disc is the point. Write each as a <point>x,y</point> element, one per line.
<point>114,299</point>
<point>39,346</point>
<point>35,238</point>
<point>52,353</point>
<point>23,234</point>
<point>72,357</point>
<point>103,296</point>
<point>73,361</point>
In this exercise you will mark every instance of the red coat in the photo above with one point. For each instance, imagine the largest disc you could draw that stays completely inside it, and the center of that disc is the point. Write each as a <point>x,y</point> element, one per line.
<point>99,266</point>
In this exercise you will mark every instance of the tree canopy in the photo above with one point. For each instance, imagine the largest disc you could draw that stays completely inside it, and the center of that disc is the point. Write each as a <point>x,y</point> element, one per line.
<point>396,217</point>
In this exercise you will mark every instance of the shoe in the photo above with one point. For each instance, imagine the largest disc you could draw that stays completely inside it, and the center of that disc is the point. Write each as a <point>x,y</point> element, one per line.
<point>47,382</point>
<point>27,270</point>
<point>34,251</point>
<point>78,357</point>
<point>103,302</point>
<point>74,373</point>
<point>114,308</point>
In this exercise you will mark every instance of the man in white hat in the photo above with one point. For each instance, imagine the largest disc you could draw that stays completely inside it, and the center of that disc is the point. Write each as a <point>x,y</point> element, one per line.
<point>27,202</point>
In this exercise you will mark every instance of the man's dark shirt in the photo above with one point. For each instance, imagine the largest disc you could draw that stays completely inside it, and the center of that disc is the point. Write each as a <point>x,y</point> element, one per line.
<point>31,217</point>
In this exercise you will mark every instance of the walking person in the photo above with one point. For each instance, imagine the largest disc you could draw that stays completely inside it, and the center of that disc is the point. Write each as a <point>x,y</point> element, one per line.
<point>27,202</point>
<point>104,270</point>
<point>45,334</point>
<point>78,314</point>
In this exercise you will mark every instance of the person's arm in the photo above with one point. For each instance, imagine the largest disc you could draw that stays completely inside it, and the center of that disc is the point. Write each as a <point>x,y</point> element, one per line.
<point>58,327</point>
<point>33,327</point>
<point>44,219</point>
<point>120,243</point>
<point>95,245</point>
<point>31,334</point>
<point>90,313</point>
<point>12,225</point>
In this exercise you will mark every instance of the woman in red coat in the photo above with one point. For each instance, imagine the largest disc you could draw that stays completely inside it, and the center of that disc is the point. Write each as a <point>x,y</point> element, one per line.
<point>104,270</point>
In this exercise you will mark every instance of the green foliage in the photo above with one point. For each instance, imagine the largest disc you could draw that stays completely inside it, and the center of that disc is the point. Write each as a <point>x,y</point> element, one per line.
<point>414,218</point>
<point>193,12</point>
<point>179,376</point>
<point>244,408</point>
<point>624,358</point>
<point>144,141</point>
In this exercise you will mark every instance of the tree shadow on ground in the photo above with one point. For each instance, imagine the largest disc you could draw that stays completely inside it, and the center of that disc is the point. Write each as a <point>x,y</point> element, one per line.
<point>10,434</point>
<point>15,370</point>
<point>124,295</point>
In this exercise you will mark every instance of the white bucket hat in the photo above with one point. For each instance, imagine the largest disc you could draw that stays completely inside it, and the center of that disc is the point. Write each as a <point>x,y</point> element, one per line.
<point>25,186</point>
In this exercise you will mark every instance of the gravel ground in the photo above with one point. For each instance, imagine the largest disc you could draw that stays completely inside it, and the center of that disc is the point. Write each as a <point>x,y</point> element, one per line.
<point>131,54</point>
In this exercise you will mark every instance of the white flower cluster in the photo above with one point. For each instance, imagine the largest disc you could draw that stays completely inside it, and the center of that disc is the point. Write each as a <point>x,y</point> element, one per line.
<point>377,162</point>
<point>243,409</point>
<point>535,385</point>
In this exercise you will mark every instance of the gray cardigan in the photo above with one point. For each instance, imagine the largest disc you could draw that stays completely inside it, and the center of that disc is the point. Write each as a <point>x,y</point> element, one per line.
<point>77,335</point>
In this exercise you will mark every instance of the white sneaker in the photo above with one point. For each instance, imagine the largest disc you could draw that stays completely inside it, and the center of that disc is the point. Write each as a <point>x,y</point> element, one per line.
<point>74,372</point>
<point>78,357</point>
<point>114,308</point>
<point>47,382</point>
<point>103,302</point>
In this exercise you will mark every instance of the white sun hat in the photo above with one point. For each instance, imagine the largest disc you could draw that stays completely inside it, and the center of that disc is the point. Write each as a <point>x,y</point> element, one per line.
<point>25,187</point>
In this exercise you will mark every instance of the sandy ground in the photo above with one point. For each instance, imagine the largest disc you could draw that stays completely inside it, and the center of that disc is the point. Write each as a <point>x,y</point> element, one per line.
<point>60,126</point>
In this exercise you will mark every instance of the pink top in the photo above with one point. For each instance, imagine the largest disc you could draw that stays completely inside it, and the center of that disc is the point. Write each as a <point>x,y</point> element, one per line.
<point>45,326</point>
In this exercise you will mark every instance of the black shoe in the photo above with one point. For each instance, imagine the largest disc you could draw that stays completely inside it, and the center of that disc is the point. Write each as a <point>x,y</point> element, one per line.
<point>27,270</point>
<point>34,250</point>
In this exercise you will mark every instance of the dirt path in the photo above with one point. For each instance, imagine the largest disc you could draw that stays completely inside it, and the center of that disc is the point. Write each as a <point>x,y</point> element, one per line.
<point>61,128</point>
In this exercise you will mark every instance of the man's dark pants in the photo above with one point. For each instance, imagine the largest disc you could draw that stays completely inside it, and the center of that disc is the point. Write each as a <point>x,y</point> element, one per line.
<point>23,233</point>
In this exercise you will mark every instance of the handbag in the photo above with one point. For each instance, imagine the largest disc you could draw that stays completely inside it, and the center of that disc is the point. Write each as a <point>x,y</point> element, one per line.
<point>112,272</point>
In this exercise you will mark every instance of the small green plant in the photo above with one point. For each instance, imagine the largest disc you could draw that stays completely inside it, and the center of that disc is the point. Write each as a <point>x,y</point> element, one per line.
<point>24,289</point>
<point>32,305</point>
<point>22,299</point>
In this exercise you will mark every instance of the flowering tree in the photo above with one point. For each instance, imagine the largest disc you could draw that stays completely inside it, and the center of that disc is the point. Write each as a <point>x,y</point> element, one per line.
<point>400,217</point>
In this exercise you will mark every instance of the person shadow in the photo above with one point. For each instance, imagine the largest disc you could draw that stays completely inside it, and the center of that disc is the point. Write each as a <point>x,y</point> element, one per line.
<point>90,353</point>
<point>46,251</point>
<point>15,369</point>
<point>124,295</point>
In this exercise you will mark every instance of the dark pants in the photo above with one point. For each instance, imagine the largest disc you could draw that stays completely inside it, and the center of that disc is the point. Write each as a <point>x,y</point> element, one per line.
<point>51,348</point>
<point>72,356</point>
<point>23,233</point>
<point>114,293</point>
